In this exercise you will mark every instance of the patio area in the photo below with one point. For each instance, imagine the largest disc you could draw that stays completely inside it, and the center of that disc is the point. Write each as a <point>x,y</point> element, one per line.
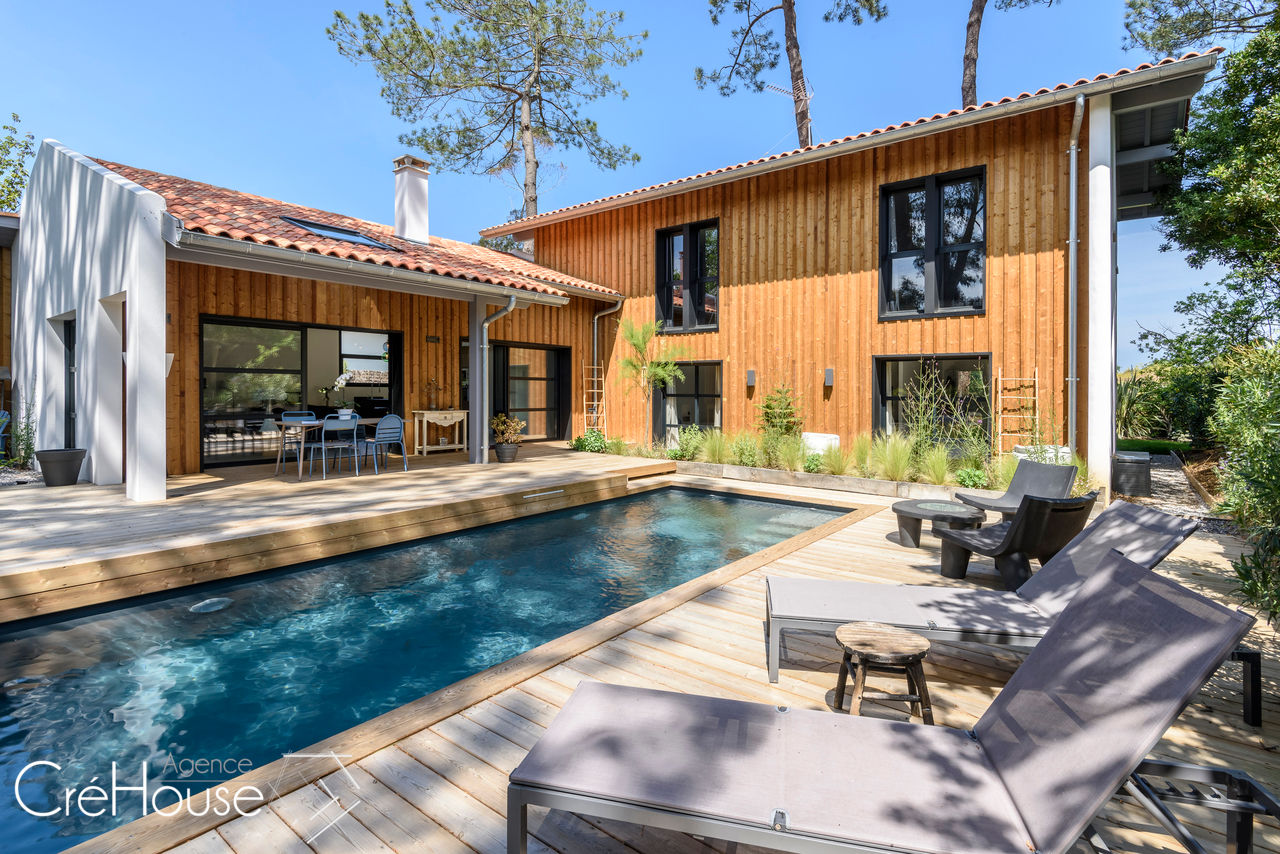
<point>431,776</point>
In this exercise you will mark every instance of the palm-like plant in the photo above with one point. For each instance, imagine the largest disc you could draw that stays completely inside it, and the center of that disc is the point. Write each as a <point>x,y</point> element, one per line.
<point>1135,406</point>
<point>641,366</point>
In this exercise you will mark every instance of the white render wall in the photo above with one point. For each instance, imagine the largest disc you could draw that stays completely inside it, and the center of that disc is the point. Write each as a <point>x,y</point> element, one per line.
<point>90,249</point>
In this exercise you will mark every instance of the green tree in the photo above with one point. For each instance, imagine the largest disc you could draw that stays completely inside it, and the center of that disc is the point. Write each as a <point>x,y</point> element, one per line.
<point>754,49</point>
<point>495,81</point>
<point>1223,205</point>
<point>1170,27</point>
<point>969,75</point>
<point>16,150</point>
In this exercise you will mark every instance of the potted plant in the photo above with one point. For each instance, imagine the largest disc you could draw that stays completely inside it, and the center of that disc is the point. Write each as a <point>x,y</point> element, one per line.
<point>506,436</point>
<point>61,466</point>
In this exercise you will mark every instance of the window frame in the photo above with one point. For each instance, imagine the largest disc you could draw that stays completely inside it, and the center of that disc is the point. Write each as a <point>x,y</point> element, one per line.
<point>692,285</point>
<point>934,250</point>
<point>880,399</point>
<point>660,425</point>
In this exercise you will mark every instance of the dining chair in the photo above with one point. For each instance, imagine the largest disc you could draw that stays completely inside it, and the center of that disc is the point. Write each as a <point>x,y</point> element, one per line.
<point>291,440</point>
<point>388,432</point>
<point>337,433</point>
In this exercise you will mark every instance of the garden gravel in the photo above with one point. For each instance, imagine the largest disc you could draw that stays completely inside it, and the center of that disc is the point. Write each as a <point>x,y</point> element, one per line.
<point>1171,492</point>
<point>18,477</point>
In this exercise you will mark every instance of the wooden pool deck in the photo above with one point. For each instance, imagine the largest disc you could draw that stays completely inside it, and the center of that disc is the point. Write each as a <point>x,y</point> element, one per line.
<point>431,776</point>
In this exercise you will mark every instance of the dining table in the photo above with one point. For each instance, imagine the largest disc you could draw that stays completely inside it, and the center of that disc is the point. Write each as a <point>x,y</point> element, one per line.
<point>302,429</point>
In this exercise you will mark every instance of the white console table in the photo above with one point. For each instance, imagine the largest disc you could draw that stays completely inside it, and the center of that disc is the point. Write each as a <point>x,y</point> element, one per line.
<point>455,418</point>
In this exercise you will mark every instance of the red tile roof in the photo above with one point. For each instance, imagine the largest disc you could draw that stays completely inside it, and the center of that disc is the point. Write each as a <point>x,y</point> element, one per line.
<point>220,212</point>
<point>517,225</point>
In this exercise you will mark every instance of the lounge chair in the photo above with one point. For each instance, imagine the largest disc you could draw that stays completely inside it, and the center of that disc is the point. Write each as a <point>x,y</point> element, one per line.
<point>1040,529</point>
<point>1018,618</point>
<point>1042,480</point>
<point>1070,727</point>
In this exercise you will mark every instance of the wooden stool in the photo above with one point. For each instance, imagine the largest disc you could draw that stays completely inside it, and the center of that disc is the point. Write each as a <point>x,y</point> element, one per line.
<point>884,649</point>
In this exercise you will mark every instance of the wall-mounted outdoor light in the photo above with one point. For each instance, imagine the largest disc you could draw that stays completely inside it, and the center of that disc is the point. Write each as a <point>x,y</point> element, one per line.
<point>751,379</point>
<point>829,377</point>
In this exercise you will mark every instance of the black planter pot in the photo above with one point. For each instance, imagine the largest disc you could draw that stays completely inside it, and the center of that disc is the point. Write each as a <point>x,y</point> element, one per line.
<point>506,451</point>
<point>61,467</point>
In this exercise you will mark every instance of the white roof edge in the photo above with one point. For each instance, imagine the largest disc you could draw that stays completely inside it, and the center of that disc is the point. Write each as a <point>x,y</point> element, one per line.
<point>114,177</point>
<point>1198,65</point>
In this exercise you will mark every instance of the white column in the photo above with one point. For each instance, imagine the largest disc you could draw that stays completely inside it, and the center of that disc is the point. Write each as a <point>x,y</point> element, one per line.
<point>145,453</point>
<point>478,382</point>
<point>1101,343</point>
<point>106,443</point>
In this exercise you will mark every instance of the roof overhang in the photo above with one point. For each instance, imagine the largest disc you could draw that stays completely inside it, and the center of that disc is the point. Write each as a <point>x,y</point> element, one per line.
<point>8,229</point>
<point>1193,69</point>
<point>200,248</point>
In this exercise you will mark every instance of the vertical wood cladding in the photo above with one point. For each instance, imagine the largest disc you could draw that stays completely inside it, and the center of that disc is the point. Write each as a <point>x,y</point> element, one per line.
<point>799,273</point>
<point>196,289</point>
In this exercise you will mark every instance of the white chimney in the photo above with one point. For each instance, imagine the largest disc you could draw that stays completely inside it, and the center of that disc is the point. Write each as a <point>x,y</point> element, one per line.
<point>411,198</point>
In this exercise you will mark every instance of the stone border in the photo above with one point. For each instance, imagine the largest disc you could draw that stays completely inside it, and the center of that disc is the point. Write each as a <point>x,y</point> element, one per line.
<point>839,483</point>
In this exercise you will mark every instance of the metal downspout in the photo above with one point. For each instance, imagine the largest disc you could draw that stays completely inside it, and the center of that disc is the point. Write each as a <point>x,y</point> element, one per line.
<point>485,378</point>
<point>1073,274</point>
<point>596,317</point>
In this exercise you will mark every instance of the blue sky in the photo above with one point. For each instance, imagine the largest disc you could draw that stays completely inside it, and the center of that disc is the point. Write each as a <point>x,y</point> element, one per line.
<point>253,95</point>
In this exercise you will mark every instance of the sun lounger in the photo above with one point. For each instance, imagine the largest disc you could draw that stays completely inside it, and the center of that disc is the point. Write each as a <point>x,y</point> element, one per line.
<point>1042,480</point>
<point>1018,618</point>
<point>1073,723</point>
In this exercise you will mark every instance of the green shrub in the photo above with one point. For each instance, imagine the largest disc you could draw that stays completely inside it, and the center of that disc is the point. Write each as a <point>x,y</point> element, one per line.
<point>972,478</point>
<point>1000,471</point>
<point>744,450</point>
<point>770,447</point>
<point>935,464</point>
<point>1085,481</point>
<point>860,453</point>
<point>813,463</point>
<point>651,452</point>
<point>1135,406</point>
<point>836,461</point>
<point>674,454</point>
<point>1246,419</point>
<point>780,413</point>
<point>592,441</point>
<point>715,448</point>
<point>616,446</point>
<point>688,442</point>
<point>789,453</point>
<point>891,456</point>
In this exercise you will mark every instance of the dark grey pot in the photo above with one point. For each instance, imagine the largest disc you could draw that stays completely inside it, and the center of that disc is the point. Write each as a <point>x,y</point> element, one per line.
<point>506,452</point>
<point>61,467</point>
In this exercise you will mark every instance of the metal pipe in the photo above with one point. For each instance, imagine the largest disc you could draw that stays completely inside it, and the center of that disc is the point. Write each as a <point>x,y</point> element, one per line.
<point>596,317</point>
<point>485,370</point>
<point>1073,272</point>
<point>1114,83</point>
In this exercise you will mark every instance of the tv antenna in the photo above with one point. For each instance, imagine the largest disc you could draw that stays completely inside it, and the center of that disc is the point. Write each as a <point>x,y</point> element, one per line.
<point>804,95</point>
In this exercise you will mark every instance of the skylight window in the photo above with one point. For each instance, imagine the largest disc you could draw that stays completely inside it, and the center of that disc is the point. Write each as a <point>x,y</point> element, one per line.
<point>334,232</point>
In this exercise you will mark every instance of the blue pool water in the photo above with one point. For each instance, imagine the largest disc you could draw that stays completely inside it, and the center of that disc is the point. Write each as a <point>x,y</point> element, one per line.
<point>247,670</point>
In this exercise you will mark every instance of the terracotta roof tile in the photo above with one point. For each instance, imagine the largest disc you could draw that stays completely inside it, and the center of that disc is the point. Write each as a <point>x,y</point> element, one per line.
<point>533,220</point>
<point>217,211</point>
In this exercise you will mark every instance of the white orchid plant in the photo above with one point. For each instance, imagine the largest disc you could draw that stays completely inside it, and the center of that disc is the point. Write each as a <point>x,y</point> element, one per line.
<point>339,383</point>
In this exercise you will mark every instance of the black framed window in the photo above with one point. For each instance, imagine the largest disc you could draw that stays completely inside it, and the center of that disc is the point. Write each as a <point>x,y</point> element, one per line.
<point>933,246</point>
<point>688,286</point>
<point>966,376</point>
<point>691,402</point>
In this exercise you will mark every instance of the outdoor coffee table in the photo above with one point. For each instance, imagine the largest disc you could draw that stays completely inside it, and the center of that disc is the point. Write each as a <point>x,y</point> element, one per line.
<point>951,514</point>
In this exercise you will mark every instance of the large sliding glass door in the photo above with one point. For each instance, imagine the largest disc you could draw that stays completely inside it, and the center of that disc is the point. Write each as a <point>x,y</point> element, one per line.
<point>246,372</point>
<point>251,371</point>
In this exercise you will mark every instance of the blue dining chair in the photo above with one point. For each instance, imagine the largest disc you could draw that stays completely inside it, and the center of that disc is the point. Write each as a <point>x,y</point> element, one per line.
<point>337,433</point>
<point>389,432</point>
<point>290,441</point>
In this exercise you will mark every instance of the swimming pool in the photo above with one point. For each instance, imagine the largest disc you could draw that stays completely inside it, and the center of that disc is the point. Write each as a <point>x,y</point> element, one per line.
<point>246,670</point>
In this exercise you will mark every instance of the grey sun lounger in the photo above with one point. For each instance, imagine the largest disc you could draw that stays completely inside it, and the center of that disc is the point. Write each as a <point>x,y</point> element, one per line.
<point>1070,727</point>
<point>1017,618</point>
<point>1041,480</point>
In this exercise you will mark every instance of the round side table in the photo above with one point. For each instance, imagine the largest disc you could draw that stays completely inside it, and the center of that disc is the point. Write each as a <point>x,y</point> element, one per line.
<point>882,648</point>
